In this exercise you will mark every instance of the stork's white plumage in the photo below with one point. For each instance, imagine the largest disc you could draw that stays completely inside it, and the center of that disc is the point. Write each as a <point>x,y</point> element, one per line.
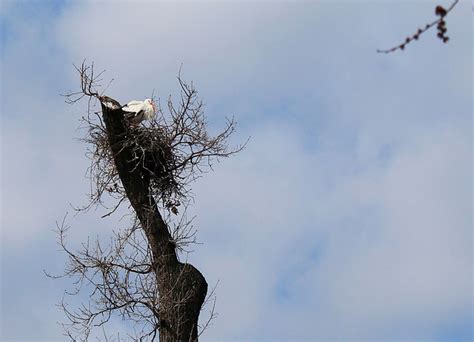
<point>139,111</point>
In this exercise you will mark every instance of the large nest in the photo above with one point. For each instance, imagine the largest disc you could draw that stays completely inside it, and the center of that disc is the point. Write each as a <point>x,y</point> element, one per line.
<point>154,154</point>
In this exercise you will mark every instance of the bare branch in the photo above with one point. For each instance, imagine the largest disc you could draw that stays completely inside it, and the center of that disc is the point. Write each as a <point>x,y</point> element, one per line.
<point>440,24</point>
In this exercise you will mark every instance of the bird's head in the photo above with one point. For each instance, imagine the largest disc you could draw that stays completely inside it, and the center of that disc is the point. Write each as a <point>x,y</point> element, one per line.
<point>150,102</point>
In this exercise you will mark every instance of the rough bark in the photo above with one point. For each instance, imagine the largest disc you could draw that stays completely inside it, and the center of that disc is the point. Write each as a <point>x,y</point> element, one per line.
<point>182,288</point>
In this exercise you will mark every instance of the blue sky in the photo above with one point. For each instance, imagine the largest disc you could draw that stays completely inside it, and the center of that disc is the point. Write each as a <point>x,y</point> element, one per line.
<point>348,215</point>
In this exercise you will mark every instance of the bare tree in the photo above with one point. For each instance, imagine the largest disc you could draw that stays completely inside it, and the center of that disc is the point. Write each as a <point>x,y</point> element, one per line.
<point>138,275</point>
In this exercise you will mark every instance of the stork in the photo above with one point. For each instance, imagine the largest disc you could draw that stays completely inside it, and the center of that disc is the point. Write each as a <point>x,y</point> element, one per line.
<point>138,111</point>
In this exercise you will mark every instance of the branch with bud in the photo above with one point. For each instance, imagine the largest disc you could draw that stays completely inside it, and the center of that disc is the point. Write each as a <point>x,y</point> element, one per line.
<point>440,24</point>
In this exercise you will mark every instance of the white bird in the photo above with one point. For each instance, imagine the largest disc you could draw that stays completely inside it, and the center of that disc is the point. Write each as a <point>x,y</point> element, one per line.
<point>139,111</point>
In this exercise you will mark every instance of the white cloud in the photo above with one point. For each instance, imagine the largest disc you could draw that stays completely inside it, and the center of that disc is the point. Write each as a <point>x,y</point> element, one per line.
<point>395,239</point>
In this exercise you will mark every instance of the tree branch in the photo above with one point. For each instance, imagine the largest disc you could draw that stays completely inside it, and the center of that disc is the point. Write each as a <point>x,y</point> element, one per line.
<point>440,24</point>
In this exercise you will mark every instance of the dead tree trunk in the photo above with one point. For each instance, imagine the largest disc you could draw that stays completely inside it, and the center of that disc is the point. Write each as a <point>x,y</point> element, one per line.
<point>182,288</point>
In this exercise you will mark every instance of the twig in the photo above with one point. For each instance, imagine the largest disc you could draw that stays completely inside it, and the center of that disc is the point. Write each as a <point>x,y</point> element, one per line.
<point>441,25</point>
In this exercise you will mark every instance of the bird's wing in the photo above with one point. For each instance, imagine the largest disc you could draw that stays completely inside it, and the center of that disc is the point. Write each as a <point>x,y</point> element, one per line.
<point>128,109</point>
<point>133,106</point>
<point>134,103</point>
<point>135,117</point>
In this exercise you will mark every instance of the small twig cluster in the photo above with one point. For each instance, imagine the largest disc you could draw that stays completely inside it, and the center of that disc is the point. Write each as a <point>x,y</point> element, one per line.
<point>440,23</point>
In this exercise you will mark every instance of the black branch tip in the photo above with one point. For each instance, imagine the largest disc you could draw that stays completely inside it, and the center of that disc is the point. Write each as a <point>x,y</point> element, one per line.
<point>440,11</point>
